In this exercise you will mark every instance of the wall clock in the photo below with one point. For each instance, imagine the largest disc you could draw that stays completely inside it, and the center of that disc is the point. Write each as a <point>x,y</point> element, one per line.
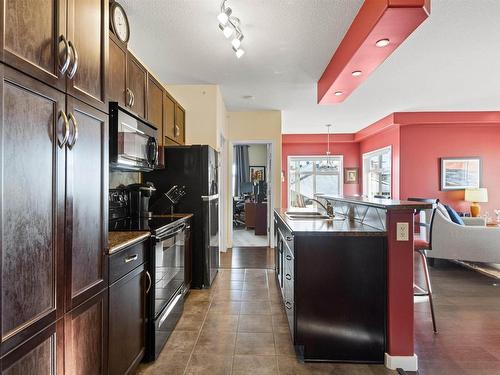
<point>119,22</point>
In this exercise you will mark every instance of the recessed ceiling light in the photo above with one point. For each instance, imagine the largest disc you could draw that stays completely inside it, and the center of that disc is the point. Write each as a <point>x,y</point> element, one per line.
<point>338,93</point>
<point>382,42</point>
<point>356,73</point>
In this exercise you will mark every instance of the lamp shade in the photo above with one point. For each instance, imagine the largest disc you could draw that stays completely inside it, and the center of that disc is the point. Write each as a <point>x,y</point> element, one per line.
<point>476,195</point>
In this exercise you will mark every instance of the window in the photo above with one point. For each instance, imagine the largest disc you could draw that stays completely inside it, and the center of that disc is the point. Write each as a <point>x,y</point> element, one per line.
<point>310,175</point>
<point>377,173</point>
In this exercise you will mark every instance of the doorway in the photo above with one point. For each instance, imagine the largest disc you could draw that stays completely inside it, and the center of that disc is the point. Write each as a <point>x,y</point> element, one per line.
<point>251,189</point>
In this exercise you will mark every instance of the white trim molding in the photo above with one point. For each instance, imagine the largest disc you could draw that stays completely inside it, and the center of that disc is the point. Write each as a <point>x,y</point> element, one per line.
<point>406,362</point>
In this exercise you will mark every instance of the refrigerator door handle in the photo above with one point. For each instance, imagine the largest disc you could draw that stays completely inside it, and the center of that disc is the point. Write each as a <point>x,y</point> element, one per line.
<point>209,197</point>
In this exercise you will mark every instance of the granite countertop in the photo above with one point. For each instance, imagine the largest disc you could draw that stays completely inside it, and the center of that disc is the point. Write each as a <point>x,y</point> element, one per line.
<point>120,240</point>
<point>339,226</point>
<point>386,204</point>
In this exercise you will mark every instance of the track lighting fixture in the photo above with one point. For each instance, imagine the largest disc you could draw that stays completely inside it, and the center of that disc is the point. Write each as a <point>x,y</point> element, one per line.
<point>230,27</point>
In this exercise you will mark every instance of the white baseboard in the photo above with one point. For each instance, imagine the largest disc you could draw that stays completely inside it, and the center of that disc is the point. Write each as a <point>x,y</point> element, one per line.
<point>407,363</point>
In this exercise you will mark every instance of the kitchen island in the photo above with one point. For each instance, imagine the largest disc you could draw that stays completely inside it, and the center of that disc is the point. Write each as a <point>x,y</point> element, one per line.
<point>347,284</point>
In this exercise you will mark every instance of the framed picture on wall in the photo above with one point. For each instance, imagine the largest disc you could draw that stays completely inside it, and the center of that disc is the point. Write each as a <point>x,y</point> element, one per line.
<point>351,175</point>
<point>257,173</point>
<point>460,173</point>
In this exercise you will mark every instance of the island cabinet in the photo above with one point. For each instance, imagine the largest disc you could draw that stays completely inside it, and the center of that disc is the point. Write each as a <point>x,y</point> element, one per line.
<point>332,282</point>
<point>129,284</point>
<point>59,42</point>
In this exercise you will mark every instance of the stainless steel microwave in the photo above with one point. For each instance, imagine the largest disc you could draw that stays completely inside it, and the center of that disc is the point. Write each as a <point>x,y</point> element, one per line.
<point>133,144</point>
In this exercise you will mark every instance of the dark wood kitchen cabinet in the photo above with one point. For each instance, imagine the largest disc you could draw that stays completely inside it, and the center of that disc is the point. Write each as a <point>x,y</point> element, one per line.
<point>42,354</point>
<point>155,113</point>
<point>61,42</point>
<point>86,337</point>
<point>127,321</point>
<point>86,203</point>
<point>31,39</point>
<point>88,38</point>
<point>168,117</point>
<point>117,72</point>
<point>136,85</point>
<point>180,124</point>
<point>32,203</point>
<point>54,168</point>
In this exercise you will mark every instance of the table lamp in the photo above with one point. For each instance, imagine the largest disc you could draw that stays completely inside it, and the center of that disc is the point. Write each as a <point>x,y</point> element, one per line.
<point>475,196</point>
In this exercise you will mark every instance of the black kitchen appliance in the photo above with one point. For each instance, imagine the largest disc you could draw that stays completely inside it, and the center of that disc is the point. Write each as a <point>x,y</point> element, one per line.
<point>167,265</point>
<point>196,168</point>
<point>133,142</point>
<point>139,199</point>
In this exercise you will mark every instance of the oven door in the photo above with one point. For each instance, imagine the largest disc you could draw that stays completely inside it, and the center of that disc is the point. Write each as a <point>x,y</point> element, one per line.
<point>168,267</point>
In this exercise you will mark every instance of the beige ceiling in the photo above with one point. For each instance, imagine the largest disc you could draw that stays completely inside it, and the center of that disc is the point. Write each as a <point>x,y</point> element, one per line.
<point>450,63</point>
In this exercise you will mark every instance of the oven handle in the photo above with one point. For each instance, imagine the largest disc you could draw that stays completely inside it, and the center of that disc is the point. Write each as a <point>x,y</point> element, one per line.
<point>170,235</point>
<point>169,308</point>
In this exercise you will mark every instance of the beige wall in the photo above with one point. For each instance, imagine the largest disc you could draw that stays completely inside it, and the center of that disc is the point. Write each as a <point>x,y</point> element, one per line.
<point>257,155</point>
<point>257,126</point>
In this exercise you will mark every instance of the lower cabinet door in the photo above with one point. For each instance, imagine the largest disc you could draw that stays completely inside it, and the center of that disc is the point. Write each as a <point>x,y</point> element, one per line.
<point>40,355</point>
<point>127,319</point>
<point>86,337</point>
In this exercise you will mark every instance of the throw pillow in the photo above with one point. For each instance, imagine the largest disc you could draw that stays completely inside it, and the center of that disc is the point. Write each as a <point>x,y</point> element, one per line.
<point>454,216</point>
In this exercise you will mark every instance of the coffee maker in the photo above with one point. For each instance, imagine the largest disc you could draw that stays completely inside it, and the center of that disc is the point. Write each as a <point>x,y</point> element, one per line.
<point>139,199</point>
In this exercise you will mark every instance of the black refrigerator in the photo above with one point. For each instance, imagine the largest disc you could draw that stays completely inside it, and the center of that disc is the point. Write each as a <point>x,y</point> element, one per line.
<point>196,168</point>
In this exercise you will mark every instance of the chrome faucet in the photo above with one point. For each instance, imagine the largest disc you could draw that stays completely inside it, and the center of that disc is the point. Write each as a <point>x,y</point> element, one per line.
<point>328,208</point>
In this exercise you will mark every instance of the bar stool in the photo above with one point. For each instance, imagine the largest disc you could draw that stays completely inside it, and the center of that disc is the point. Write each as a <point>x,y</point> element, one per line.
<point>421,245</point>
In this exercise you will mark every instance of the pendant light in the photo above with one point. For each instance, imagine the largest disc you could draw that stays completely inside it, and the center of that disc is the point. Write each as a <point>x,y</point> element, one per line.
<point>328,153</point>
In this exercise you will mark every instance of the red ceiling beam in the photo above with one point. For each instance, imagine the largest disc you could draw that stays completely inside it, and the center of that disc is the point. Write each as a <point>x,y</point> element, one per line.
<point>376,20</point>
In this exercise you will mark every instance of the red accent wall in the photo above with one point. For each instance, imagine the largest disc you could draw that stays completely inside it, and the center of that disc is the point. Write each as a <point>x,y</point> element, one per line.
<point>316,144</point>
<point>422,146</point>
<point>418,141</point>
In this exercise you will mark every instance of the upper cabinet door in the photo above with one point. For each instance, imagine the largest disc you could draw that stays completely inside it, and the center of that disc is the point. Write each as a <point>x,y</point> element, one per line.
<point>155,106</point>
<point>86,203</point>
<point>117,72</point>
<point>136,85</point>
<point>180,124</point>
<point>32,201</point>
<point>33,39</point>
<point>88,39</point>
<point>169,117</point>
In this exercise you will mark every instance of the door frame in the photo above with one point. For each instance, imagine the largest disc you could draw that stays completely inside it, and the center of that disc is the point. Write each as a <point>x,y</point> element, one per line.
<point>269,177</point>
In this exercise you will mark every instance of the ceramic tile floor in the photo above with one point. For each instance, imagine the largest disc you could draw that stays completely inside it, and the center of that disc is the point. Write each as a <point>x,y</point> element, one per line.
<point>239,327</point>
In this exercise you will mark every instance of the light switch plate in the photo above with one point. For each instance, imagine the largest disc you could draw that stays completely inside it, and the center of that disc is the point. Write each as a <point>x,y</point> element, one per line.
<point>402,231</point>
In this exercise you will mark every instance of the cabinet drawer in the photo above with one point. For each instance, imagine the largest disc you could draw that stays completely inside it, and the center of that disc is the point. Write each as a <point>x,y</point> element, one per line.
<point>127,259</point>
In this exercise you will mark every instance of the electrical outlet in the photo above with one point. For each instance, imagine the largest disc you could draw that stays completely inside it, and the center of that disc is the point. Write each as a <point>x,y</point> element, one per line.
<point>402,230</point>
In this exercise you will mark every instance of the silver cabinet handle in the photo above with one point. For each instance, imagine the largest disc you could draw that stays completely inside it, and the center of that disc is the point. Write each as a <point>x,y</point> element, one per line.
<point>288,257</point>
<point>177,130</point>
<point>288,305</point>
<point>129,97</point>
<point>73,70</point>
<point>150,282</point>
<point>66,129</point>
<point>133,98</point>
<point>131,258</point>
<point>288,276</point>
<point>289,238</point>
<point>67,60</point>
<point>75,135</point>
